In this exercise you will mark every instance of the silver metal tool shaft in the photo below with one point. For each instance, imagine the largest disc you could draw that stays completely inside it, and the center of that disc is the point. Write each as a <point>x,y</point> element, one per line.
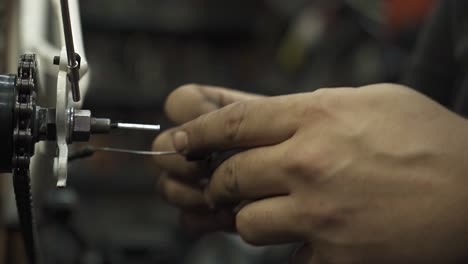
<point>136,152</point>
<point>137,126</point>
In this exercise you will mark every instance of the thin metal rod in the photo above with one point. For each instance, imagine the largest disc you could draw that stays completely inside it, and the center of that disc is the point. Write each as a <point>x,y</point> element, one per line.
<point>136,126</point>
<point>73,64</point>
<point>136,152</point>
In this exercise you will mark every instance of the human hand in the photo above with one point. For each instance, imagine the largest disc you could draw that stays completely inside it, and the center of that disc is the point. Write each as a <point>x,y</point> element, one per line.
<point>182,182</point>
<point>369,175</point>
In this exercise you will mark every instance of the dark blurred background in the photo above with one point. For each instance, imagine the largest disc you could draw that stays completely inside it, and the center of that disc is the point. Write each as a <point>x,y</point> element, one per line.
<point>139,51</point>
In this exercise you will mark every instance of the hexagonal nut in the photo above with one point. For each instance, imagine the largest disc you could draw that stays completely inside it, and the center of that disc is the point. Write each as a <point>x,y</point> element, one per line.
<point>81,125</point>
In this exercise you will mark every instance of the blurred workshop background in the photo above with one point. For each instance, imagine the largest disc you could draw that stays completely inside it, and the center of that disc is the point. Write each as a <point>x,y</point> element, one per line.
<point>139,51</point>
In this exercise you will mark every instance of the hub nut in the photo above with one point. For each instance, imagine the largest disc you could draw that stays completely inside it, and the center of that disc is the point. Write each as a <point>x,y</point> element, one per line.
<point>81,130</point>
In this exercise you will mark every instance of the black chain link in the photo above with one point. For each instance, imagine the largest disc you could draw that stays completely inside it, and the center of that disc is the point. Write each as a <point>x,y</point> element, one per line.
<point>24,148</point>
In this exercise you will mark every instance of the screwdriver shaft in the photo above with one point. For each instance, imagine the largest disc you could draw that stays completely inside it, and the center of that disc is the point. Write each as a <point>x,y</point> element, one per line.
<point>137,126</point>
<point>136,152</point>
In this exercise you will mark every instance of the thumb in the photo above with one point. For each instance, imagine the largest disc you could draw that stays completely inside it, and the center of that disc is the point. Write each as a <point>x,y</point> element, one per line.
<point>191,101</point>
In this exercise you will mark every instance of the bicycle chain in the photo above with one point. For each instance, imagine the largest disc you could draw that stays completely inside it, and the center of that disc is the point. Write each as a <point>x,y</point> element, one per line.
<point>24,141</point>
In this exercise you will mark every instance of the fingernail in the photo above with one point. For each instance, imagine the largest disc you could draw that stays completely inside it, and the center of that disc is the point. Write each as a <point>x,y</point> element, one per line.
<point>180,141</point>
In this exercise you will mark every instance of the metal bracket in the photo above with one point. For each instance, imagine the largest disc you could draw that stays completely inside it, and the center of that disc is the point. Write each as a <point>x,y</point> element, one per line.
<point>62,122</point>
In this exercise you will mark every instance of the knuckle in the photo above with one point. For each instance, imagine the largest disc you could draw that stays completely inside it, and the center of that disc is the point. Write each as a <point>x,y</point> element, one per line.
<point>319,93</point>
<point>316,108</point>
<point>229,177</point>
<point>234,121</point>
<point>308,167</point>
<point>327,99</point>
<point>322,95</point>
<point>296,164</point>
<point>322,217</point>
<point>304,163</point>
<point>321,214</point>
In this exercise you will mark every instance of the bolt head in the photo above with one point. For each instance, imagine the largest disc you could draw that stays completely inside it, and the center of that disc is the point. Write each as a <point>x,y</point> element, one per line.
<point>81,125</point>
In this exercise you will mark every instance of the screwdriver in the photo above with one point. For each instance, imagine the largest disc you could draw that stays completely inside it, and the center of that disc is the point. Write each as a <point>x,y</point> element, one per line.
<point>98,125</point>
<point>104,126</point>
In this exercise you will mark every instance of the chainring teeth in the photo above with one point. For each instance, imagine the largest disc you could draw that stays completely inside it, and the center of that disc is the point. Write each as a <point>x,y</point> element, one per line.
<point>23,141</point>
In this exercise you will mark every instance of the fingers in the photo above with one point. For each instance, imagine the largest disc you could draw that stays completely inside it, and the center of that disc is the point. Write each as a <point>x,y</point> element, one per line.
<point>269,221</point>
<point>185,104</point>
<point>249,175</point>
<point>190,101</point>
<point>176,165</point>
<point>208,221</point>
<point>304,255</point>
<point>251,123</point>
<point>180,194</point>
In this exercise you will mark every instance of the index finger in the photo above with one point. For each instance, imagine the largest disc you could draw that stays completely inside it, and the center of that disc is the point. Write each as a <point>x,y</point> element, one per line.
<point>251,123</point>
<point>192,100</point>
